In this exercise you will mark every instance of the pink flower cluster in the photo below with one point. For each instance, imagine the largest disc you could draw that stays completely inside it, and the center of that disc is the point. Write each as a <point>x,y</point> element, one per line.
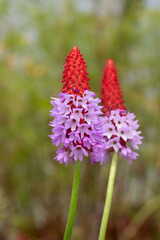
<point>77,127</point>
<point>120,134</point>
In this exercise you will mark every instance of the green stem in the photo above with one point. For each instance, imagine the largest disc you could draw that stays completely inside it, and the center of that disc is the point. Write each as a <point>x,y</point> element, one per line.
<point>73,203</point>
<point>107,206</point>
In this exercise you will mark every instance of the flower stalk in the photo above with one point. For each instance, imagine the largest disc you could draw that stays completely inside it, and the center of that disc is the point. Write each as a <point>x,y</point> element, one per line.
<point>73,203</point>
<point>108,201</point>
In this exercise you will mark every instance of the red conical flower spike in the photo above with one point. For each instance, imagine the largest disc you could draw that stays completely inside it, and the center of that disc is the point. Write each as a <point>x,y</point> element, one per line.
<point>75,75</point>
<point>111,94</point>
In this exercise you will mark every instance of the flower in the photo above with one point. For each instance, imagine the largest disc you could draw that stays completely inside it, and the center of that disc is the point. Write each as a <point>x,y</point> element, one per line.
<point>120,129</point>
<point>77,125</point>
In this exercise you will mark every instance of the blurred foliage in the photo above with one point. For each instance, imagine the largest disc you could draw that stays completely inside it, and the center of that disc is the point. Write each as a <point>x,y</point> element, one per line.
<point>35,38</point>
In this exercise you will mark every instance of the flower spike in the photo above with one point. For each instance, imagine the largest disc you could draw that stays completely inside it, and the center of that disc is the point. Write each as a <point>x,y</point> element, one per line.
<point>77,125</point>
<point>119,127</point>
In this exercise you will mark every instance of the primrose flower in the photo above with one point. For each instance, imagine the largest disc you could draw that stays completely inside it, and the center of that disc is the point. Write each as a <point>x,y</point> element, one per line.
<point>77,125</point>
<point>120,128</point>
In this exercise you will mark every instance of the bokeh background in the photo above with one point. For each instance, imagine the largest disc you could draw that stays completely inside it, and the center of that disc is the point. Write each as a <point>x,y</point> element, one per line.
<point>35,37</point>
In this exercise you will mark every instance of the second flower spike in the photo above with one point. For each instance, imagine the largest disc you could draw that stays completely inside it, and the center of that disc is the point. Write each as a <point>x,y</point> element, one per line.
<point>120,127</point>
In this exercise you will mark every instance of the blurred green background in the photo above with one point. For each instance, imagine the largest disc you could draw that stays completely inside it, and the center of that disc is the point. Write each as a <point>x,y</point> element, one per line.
<point>35,37</point>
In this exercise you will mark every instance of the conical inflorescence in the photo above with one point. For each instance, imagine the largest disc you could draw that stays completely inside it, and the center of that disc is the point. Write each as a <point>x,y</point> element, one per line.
<point>77,125</point>
<point>75,80</point>
<point>111,95</point>
<point>120,128</point>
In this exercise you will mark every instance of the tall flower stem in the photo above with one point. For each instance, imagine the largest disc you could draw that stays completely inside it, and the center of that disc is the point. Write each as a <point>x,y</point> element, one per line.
<point>73,203</point>
<point>108,201</point>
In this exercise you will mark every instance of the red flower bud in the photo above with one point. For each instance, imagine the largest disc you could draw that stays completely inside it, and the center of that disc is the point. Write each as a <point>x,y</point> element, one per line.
<point>75,80</point>
<point>111,94</point>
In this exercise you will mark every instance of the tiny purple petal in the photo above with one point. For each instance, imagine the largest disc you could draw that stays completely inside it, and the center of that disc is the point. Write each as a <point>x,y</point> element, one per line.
<point>109,130</point>
<point>87,142</point>
<point>77,114</point>
<point>114,113</point>
<point>82,129</point>
<point>114,143</point>
<point>71,123</point>
<point>74,136</point>
<point>125,132</point>
<point>78,152</point>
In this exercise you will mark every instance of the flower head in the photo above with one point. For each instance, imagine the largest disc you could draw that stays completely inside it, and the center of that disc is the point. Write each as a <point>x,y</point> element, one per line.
<point>77,125</point>
<point>120,128</point>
